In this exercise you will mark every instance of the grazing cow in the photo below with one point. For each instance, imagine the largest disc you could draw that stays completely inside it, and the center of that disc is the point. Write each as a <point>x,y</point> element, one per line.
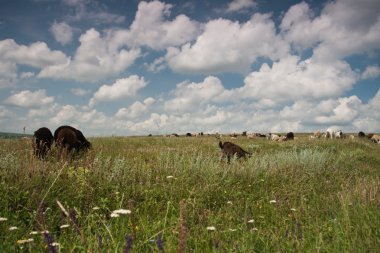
<point>369,136</point>
<point>330,133</point>
<point>375,138</point>
<point>188,135</point>
<point>230,149</point>
<point>42,140</point>
<point>273,137</point>
<point>69,139</point>
<point>290,136</point>
<point>361,134</point>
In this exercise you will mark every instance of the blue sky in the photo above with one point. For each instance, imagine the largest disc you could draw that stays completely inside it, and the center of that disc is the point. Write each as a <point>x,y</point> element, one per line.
<point>140,67</point>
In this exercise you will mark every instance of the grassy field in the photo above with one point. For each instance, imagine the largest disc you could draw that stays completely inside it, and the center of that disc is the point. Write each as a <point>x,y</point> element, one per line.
<point>176,196</point>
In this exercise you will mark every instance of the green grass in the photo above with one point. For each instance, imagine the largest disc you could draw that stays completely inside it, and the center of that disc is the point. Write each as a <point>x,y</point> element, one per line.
<point>326,192</point>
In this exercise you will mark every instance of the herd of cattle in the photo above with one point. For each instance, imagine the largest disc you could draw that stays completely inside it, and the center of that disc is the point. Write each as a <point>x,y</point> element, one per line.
<point>67,139</point>
<point>70,140</point>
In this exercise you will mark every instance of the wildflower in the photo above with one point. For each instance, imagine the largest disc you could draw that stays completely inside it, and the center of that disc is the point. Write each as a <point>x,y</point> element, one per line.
<point>3,219</point>
<point>33,233</point>
<point>122,211</point>
<point>254,229</point>
<point>13,228</point>
<point>23,241</point>
<point>95,208</point>
<point>114,215</point>
<point>293,209</point>
<point>251,221</point>
<point>232,229</point>
<point>273,201</point>
<point>169,177</point>
<point>54,244</point>
<point>211,228</point>
<point>45,232</point>
<point>229,202</point>
<point>65,226</point>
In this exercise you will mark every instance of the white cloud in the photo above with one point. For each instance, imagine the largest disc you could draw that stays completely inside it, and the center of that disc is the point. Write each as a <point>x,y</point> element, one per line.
<point>25,75</point>
<point>227,46</point>
<point>36,55</point>
<point>150,27</point>
<point>95,59</point>
<point>62,32</point>
<point>122,88</point>
<point>27,98</point>
<point>240,5</point>
<point>188,97</point>
<point>136,109</point>
<point>344,28</point>
<point>291,79</point>
<point>371,72</point>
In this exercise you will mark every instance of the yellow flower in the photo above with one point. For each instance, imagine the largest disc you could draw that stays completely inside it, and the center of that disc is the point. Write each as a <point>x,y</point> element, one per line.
<point>23,241</point>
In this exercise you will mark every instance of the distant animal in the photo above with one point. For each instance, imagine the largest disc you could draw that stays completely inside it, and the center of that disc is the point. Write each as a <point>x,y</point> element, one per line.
<point>229,150</point>
<point>273,137</point>
<point>174,135</point>
<point>369,136</point>
<point>69,139</point>
<point>375,138</point>
<point>330,133</point>
<point>361,134</point>
<point>42,141</point>
<point>317,135</point>
<point>188,135</point>
<point>290,136</point>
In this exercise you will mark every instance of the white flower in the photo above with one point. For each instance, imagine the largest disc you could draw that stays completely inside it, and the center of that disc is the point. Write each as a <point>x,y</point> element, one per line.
<point>25,241</point>
<point>251,221</point>
<point>13,228</point>
<point>232,229</point>
<point>114,215</point>
<point>211,228</point>
<point>169,177</point>
<point>122,211</point>
<point>272,201</point>
<point>95,208</point>
<point>65,226</point>
<point>45,232</point>
<point>293,209</point>
<point>54,244</point>
<point>3,219</point>
<point>229,202</point>
<point>254,229</point>
<point>33,233</point>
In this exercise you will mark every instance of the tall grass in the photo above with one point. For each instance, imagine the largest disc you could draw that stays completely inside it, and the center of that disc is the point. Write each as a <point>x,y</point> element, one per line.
<point>308,196</point>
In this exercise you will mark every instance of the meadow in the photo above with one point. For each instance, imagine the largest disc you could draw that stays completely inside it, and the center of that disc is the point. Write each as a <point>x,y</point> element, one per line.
<point>158,194</point>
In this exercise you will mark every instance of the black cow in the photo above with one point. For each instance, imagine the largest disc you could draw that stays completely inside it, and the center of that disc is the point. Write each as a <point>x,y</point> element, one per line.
<point>230,149</point>
<point>69,139</point>
<point>361,134</point>
<point>42,141</point>
<point>290,136</point>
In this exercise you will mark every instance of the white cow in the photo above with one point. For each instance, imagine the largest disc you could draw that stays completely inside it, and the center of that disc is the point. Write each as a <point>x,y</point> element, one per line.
<point>330,133</point>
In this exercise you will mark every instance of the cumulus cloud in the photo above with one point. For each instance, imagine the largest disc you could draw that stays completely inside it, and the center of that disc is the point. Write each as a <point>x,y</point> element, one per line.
<point>136,109</point>
<point>37,55</point>
<point>27,98</point>
<point>122,88</point>
<point>371,72</point>
<point>189,96</point>
<point>62,32</point>
<point>344,28</point>
<point>150,27</point>
<point>227,46</point>
<point>79,92</point>
<point>291,79</point>
<point>96,58</point>
<point>240,5</point>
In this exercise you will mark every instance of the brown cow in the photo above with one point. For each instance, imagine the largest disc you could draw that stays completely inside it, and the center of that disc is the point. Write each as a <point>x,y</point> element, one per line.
<point>42,141</point>
<point>69,140</point>
<point>230,149</point>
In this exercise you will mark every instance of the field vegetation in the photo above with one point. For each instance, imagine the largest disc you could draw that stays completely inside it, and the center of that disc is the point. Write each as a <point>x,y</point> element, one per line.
<point>159,194</point>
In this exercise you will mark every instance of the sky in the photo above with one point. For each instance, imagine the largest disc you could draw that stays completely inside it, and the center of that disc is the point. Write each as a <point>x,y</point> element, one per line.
<point>158,67</point>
